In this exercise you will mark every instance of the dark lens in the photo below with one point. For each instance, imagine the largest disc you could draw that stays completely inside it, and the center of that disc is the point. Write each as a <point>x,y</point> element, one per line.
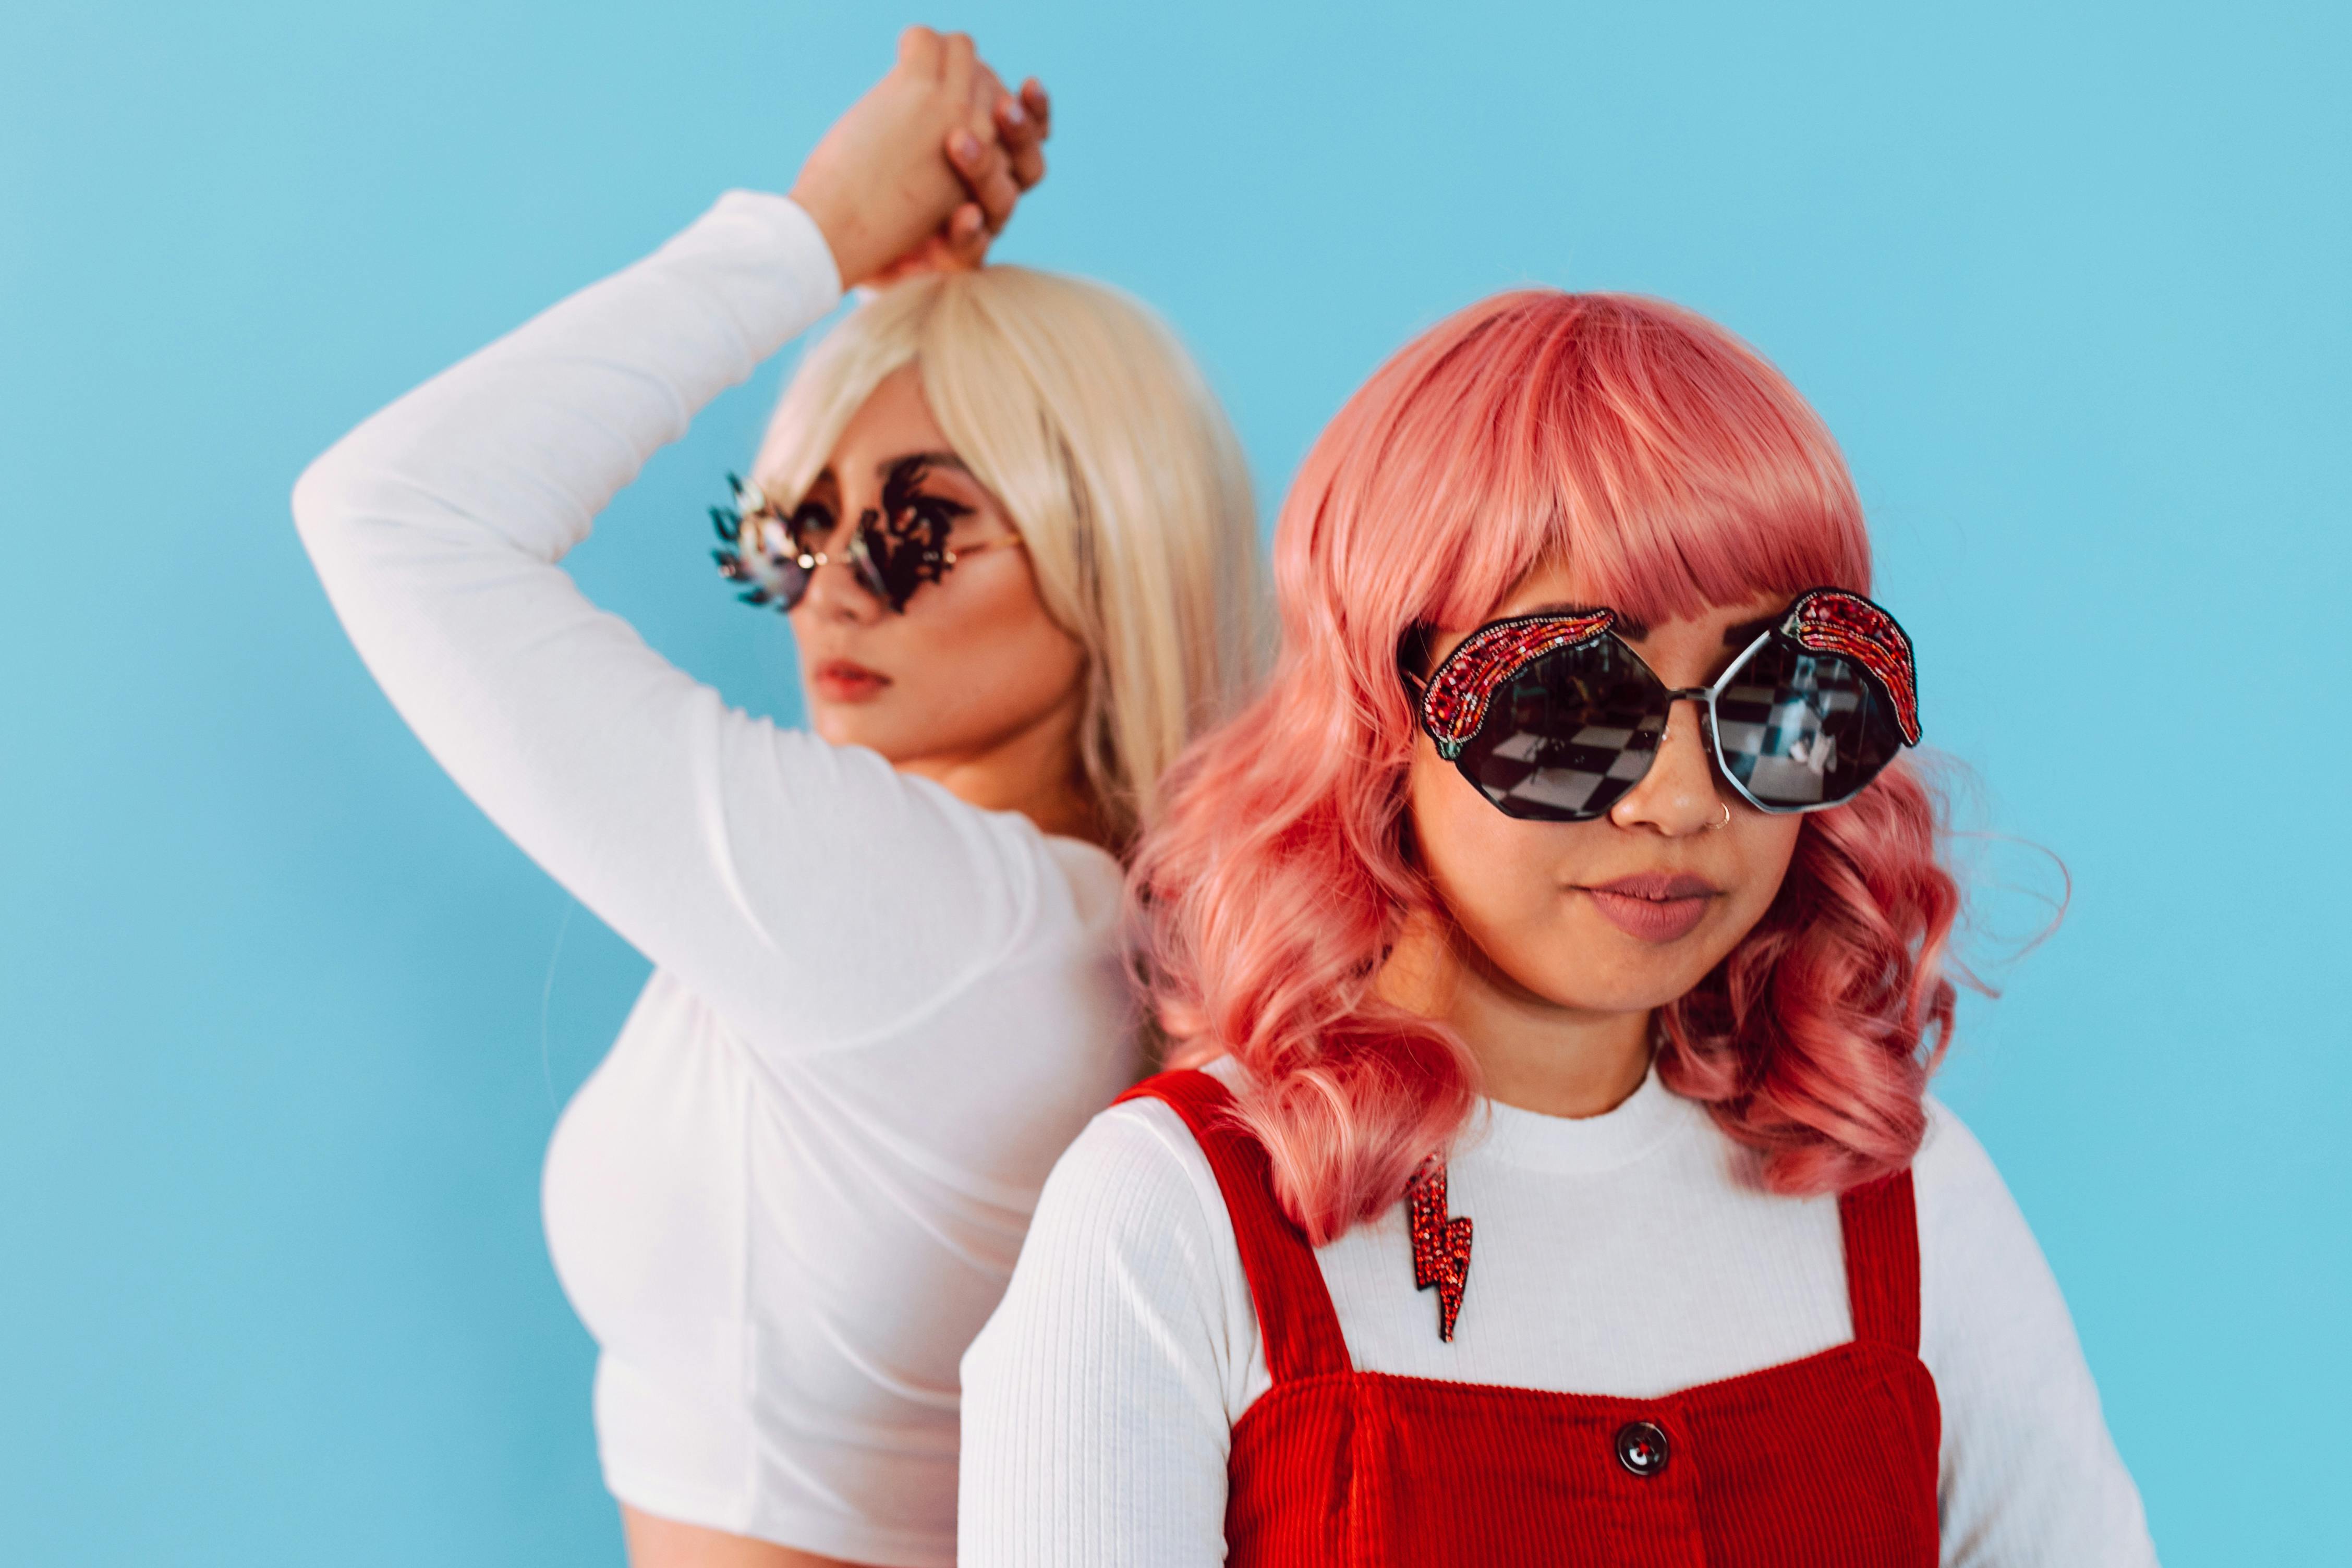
<point>890,567</point>
<point>903,545</point>
<point>1799,729</point>
<point>1569,734</point>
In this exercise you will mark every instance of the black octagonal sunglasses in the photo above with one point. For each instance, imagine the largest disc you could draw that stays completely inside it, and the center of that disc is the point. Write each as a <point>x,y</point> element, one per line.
<point>1554,717</point>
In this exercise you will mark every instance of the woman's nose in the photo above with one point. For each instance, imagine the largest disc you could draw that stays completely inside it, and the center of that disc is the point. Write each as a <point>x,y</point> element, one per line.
<point>1679,794</point>
<point>834,588</point>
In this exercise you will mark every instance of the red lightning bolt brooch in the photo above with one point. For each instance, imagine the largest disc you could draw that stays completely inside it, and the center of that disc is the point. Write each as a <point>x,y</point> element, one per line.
<point>1441,1246</point>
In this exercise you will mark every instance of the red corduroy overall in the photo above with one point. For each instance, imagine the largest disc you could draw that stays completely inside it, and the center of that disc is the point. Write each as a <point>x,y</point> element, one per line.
<point>1826,1462</point>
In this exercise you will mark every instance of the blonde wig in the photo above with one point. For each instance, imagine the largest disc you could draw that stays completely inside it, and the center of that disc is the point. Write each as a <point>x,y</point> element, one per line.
<point>1093,428</point>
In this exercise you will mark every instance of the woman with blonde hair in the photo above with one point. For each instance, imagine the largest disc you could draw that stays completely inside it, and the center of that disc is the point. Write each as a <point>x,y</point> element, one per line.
<point>1013,533</point>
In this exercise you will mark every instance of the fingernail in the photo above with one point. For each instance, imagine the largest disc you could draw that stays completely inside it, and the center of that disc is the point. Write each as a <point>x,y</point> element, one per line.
<point>966,145</point>
<point>1014,113</point>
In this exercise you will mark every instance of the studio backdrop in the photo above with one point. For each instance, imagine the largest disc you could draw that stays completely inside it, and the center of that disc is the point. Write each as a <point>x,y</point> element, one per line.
<point>284,1024</point>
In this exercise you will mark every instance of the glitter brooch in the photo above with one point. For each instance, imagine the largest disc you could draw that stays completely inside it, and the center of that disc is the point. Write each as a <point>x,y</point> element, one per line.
<point>1832,621</point>
<point>1461,688</point>
<point>1441,1245</point>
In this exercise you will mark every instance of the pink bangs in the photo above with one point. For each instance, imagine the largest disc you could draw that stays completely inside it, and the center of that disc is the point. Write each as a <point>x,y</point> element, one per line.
<point>1672,469</point>
<point>1663,460</point>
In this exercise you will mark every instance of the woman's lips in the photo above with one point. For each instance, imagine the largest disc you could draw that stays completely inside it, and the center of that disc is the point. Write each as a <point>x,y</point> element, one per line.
<point>840,681</point>
<point>1652,907</point>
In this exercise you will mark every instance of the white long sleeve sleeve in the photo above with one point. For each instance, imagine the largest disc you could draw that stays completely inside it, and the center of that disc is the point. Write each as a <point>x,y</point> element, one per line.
<point>1100,1398</point>
<point>810,892</point>
<point>796,1187</point>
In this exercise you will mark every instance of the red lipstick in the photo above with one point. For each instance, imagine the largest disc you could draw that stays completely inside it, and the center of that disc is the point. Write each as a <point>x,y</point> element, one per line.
<point>841,681</point>
<point>1652,907</point>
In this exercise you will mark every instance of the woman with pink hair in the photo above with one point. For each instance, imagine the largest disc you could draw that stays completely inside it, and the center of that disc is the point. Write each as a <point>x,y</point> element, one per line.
<point>1562,933</point>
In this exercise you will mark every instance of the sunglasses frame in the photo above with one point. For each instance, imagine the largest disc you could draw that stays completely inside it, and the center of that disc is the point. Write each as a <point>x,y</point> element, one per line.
<point>764,571</point>
<point>1455,702</point>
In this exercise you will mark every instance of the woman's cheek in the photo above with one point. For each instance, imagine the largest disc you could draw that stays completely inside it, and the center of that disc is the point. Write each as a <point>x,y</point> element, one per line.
<point>1495,875</point>
<point>1768,846</point>
<point>987,665</point>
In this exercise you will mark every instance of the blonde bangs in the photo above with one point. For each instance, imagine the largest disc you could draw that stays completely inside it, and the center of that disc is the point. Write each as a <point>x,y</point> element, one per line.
<point>1093,429</point>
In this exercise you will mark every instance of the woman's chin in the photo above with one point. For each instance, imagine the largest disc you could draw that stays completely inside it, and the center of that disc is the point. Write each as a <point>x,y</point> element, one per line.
<point>842,725</point>
<point>1614,971</point>
<point>897,744</point>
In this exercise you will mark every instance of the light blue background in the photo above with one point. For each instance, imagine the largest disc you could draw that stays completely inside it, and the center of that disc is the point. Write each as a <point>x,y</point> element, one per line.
<point>287,1024</point>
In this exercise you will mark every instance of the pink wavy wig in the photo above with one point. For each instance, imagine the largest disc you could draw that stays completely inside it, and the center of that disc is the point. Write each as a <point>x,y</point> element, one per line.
<point>1672,469</point>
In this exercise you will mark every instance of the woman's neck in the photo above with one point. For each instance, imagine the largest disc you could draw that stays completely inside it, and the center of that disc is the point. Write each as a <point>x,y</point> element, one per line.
<point>1532,1053</point>
<point>1034,771</point>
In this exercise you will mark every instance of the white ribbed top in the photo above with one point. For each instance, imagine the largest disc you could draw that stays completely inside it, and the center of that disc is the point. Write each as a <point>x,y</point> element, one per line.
<point>793,1194</point>
<point>1629,1254</point>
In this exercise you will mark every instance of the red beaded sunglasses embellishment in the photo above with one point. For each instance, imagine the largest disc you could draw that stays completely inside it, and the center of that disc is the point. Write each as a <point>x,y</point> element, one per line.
<point>1830,621</point>
<point>1441,1245</point>
<point>1462,687</point>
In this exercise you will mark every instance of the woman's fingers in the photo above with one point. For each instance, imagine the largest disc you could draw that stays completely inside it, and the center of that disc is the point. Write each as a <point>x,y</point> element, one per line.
<point>956,63</point>
<point>1021,135</point>
<point>969,235</point>
<point>987,173</point>
<point>986,90</point>
<point>921,52</point>
<point>863,193</point>
<point>972,147</point>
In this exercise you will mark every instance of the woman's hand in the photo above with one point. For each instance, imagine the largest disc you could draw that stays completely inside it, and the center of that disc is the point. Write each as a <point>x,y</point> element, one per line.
<point>925,168</point>
<point>999,156</point>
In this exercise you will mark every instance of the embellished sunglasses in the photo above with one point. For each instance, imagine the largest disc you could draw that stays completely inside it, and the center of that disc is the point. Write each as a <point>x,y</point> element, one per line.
<point>894,549</point>
<point>1554,717</point>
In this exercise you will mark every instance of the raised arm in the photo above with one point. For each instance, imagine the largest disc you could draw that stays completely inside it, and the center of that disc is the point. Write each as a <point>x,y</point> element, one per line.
<point>812,895</point>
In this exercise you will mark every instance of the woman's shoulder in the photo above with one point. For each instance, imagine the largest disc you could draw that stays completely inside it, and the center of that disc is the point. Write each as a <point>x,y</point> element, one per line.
<point>1979,1260</point>
<point>1091,877</point>
<point>1952,1175</point>
<point>1078,881</point>
<point>2030,1472</point>
<point>1134,1172</point>
<point>1134,1193</point>
<point>1132,1231</point>
<point>910,841</point>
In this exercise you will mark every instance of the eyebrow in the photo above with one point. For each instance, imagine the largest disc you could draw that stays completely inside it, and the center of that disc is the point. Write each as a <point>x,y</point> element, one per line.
<point>890,465</point>
<point>1746,631</point>
<point>905,461</point>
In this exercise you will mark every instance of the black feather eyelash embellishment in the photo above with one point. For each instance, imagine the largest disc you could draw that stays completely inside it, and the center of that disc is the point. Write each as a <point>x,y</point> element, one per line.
<point>758,550</point>
<point>915,528</point>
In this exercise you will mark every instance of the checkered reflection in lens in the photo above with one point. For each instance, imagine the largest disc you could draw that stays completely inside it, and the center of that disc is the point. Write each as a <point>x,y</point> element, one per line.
<point>1569,734</point>
<point>1795,729</point>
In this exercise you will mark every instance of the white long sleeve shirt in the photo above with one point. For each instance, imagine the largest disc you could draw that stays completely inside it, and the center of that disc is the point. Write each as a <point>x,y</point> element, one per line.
<point>795,1190</point>
<point>1629,1254</point>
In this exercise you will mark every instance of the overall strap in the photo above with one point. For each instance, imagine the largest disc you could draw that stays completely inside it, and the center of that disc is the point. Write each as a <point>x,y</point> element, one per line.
<point>1294,1319</point>
<point>1882,1260</point>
